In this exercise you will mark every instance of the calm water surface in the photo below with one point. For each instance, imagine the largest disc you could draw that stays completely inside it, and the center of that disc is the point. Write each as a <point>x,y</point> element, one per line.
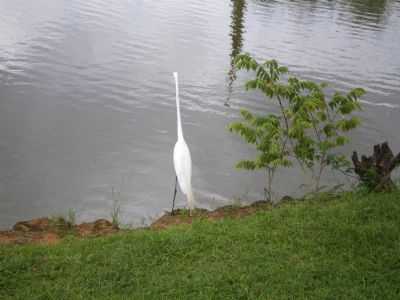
<point>87,94</point>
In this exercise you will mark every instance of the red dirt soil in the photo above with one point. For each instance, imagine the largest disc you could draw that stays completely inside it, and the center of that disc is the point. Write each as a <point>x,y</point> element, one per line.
<point>48,231</point>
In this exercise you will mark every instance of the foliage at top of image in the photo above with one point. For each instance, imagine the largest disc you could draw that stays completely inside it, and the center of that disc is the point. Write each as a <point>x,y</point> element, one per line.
<point>308,128</point>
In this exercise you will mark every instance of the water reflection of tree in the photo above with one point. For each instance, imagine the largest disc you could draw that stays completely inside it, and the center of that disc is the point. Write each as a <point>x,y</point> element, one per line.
<point>237,30</point>
<point>368,10</point>
<point>363,11</point>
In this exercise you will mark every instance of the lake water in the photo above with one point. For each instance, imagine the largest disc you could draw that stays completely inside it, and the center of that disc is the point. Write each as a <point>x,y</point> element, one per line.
<point>87,95</point>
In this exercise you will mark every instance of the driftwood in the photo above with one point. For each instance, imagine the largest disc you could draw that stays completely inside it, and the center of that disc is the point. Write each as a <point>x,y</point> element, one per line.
<point>374,171</point>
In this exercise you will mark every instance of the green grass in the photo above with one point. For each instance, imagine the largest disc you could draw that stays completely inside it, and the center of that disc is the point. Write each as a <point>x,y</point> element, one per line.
<point>347,248</point>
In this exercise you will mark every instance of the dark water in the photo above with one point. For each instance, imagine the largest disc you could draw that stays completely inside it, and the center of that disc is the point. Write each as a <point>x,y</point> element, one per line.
<point>87,95</point>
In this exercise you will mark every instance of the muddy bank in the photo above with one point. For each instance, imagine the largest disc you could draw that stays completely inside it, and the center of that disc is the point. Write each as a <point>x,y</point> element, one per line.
<point>48,231</point>
<point>231,211</point>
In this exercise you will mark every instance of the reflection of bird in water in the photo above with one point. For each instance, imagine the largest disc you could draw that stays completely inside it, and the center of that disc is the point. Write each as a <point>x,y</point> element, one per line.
<point>237,16</point>
<point>182,159</point>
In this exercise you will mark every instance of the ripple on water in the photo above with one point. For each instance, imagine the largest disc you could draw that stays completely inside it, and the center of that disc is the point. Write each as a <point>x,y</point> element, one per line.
<point>87,95</point>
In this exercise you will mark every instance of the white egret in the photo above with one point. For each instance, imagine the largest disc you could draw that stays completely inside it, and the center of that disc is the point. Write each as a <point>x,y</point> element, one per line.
<point>182,159</point>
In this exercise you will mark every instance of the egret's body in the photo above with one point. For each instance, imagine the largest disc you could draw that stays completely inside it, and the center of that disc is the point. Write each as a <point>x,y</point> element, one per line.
<point>182,159</point>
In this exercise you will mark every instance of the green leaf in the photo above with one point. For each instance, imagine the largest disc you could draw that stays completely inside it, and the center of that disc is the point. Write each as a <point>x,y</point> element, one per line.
<point>246,164</point>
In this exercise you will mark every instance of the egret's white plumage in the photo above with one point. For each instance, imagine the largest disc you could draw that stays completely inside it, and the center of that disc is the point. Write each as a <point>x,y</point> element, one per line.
<point>182,159</point>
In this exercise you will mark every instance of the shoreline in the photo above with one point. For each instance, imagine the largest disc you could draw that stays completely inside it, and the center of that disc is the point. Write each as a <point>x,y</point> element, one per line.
<point>51,231</point>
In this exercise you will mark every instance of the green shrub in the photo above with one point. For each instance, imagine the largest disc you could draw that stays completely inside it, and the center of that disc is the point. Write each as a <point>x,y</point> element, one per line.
<point>308,128</point>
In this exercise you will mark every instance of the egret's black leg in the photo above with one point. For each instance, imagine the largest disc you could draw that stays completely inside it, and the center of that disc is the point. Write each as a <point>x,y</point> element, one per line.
<point>173,201</point>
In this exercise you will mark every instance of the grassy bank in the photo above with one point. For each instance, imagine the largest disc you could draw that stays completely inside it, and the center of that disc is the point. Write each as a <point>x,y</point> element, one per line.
<point>347,248</point>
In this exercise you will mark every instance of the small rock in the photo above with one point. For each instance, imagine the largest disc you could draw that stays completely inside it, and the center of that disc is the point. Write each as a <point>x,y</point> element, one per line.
<point>98,227</point>
<point>102,224</point>
<point>40,224</point>
<point>287,198</point>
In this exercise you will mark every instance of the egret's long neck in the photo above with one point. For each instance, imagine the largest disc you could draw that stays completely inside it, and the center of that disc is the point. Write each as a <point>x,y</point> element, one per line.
<point>178,109</point>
